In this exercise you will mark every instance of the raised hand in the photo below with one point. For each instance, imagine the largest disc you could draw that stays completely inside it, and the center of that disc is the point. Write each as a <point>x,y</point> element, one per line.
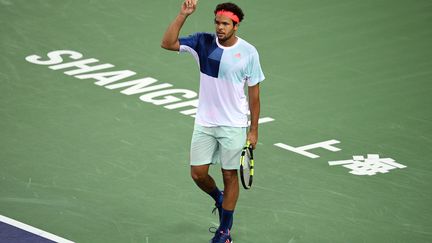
<point>188,7</point>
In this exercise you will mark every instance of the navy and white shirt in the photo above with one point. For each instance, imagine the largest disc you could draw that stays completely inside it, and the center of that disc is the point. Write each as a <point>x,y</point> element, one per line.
<point>224,71</point>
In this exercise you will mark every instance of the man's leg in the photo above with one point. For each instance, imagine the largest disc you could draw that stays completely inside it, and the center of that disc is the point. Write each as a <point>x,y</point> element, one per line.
<point>232,140</point>
<point>204,150</point>
<point>231,194</point>
<point>199,174</point>
<point>231,191</point>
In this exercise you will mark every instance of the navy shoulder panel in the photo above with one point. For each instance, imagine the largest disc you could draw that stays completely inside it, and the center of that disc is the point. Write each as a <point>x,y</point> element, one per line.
<point>209,54</point>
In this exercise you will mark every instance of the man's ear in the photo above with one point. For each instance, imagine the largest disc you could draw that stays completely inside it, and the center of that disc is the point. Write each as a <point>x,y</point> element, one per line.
<point>236,26</point>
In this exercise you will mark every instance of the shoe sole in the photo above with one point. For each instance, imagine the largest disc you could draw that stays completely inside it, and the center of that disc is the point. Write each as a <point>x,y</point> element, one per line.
<point>231,241</point>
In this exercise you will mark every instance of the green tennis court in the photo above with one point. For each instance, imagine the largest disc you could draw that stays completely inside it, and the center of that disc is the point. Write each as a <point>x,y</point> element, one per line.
<point>105,162</point>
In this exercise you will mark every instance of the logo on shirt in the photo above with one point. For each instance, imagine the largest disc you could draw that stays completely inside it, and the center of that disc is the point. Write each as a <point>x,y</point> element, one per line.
<point>237,55</point>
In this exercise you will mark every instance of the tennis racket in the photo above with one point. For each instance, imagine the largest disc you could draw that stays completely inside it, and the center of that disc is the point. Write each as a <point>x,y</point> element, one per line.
<point>247,166</point>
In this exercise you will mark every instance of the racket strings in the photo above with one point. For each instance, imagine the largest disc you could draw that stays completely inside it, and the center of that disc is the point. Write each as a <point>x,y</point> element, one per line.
<point>247,166</point>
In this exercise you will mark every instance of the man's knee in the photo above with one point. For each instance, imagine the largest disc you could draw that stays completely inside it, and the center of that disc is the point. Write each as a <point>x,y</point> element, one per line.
<point>199,174</point>
<point>229,175</point>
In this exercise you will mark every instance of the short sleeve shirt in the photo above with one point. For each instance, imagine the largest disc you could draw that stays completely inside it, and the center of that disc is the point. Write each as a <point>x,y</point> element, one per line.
<point>224,73</point>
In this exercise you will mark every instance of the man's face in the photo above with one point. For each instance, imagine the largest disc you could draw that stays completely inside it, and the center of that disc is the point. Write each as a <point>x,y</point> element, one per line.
<point>224,27</point>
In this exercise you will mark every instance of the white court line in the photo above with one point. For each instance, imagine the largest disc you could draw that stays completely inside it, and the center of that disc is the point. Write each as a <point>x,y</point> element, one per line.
<point>33,230</point>
<point>340,162</point>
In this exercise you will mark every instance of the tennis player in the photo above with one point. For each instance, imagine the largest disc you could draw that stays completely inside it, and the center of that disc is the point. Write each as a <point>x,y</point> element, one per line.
<point>227,64</point>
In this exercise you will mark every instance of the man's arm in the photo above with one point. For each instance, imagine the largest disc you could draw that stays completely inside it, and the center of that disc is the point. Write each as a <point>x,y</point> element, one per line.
<point>254,107</point>
<point>170,39</point>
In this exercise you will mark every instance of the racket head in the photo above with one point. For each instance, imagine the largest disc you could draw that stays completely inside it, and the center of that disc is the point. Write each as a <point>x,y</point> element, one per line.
<point>246,166</point>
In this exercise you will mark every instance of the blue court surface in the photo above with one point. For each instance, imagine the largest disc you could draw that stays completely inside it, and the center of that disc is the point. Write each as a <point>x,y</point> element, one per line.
<point>12,231</point>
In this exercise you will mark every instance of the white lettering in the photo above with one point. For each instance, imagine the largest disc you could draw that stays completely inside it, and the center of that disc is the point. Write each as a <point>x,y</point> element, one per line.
<point>193,103</point>
<point>303,149</point>
<point>160,96</point>
<point>138,86</point>
<point>82,67</point>
<point>55,57</point>
<point>107,77</point>
<point>167,99</point>
<point>191,112</point>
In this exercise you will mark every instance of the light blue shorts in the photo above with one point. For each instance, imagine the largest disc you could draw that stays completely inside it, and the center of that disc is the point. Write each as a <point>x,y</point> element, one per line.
<point>217,145</point>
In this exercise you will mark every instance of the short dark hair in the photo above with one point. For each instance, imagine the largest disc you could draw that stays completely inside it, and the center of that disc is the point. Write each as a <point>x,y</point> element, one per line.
<point>232,8</point>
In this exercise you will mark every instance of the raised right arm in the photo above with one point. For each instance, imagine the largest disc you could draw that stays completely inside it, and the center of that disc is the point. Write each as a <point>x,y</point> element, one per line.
<point>170,39</point>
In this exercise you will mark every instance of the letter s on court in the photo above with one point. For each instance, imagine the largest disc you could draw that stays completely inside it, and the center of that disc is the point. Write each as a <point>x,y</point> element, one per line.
<point>55,57</point>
